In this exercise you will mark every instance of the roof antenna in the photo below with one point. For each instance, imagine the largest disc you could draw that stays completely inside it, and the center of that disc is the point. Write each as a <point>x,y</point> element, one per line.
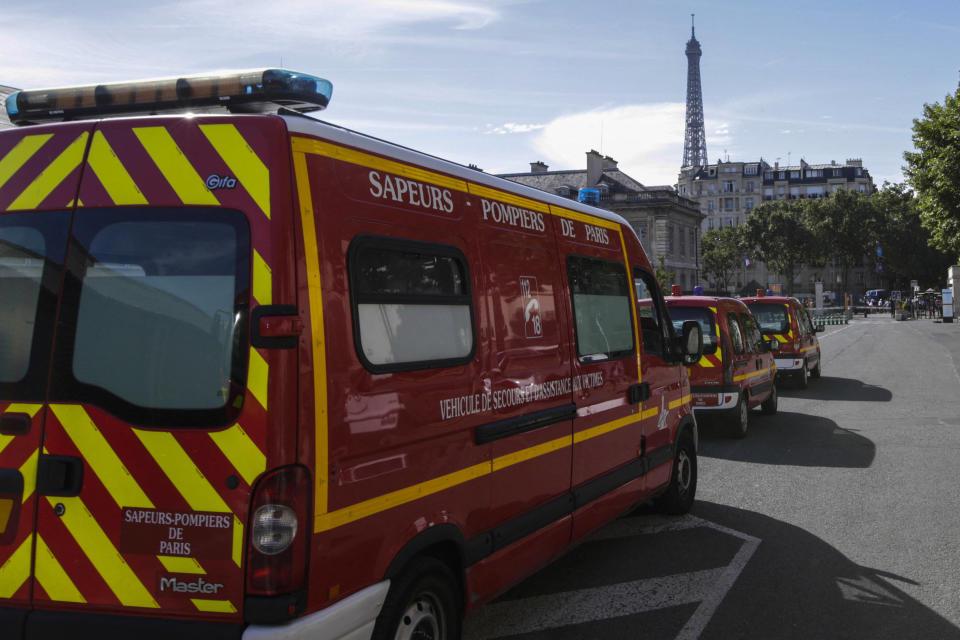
<point>693,33</point>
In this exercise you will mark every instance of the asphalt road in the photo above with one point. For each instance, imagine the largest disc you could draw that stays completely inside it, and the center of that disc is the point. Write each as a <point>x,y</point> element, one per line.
<point>837,518</point>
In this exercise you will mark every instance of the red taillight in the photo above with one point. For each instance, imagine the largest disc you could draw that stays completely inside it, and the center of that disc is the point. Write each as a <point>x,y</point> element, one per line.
<point>279,531</point>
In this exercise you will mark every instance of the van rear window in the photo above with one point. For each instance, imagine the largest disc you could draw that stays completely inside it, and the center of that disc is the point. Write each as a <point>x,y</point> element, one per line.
<point>772,318</point>
<point>155,310</point>
<point>412,304</point>
<point>703,316</point>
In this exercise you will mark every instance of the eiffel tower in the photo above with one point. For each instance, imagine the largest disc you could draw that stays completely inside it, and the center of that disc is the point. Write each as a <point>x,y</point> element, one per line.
<point>694,139</point>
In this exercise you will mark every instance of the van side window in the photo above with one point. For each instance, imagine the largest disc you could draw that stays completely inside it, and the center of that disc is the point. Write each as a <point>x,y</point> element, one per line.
<point>412,306</point>
<point>650,315</point>
<point>601,308</point>
<point>750,333</point>
<point>735,334</point>
<point>806,326</point>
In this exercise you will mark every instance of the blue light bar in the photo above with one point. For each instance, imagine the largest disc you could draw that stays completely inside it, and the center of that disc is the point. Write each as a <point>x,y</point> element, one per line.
<point>260,91</point>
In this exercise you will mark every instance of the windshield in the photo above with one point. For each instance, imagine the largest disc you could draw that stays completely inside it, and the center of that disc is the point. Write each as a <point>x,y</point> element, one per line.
<point>772,318</point>
<point>704,316</point>
<point>153,312</point>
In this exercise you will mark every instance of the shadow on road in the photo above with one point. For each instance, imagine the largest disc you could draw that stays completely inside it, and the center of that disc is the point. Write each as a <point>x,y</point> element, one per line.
<point>798,586</point>
<point>833,388</point>
<point>788,438</point>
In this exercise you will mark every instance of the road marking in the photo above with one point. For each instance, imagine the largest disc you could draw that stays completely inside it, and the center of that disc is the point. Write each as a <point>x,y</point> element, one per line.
<point>539,613</point>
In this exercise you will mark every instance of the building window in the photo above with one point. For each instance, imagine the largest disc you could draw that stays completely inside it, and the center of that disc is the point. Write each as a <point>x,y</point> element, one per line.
<point>683,189</point>
<point>794,175</point>
<point>710,206</point>
<point>862,188</point>
<point>710,224</point>
<point>859,172</point>
<point>750,187</point>
<point>814,173</point>
<point>782,175</point>
<point>711,187</point>
<point>794,193</point>
<point>768,194</point>
<point>814,192</point>
<point>749,204</point>
<point>728,204</point>
<point>729,222</point>
<point>750,171</point>
<point>683,243</point>
<point>768,175</point>
<point>729,186</point>
<point>780,192</point>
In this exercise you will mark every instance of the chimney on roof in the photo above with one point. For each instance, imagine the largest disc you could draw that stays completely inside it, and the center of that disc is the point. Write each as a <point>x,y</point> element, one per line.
<point>855,162</point>
<point>538,167</point>
<point>594,167</point>
<point>609,163</point>
<point>833,163</point>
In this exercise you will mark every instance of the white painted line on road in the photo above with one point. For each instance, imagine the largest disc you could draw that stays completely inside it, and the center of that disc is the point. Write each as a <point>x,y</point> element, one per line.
<point>708,587</point>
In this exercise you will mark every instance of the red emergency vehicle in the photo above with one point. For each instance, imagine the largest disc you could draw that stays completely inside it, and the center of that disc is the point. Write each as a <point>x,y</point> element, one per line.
<point>265,377</point>
<point>736,370</point>
<point>787,321</point>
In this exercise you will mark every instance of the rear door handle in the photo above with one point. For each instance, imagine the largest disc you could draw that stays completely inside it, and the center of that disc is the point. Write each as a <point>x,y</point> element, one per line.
<point>59,476</point>
<point>638,392</point>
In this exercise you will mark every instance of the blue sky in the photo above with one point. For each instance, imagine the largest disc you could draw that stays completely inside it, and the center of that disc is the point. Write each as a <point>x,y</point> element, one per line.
<point>501,83</point>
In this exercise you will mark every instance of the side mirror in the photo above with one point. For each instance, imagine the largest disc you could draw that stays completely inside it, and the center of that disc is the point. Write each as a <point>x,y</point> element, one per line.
<point>773,345</point>
<point>691,342</point>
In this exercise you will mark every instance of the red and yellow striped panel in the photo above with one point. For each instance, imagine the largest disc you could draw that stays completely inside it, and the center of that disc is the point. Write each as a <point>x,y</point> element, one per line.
<point>40,167</point>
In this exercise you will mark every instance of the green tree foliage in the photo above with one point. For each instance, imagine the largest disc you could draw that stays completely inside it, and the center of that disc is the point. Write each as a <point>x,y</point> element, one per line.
<point>722,252</point>
<point>845,227</point>
<point>781,236</point>
<point>906,243</point>
<point>934,171</point>
<point>664,276</point>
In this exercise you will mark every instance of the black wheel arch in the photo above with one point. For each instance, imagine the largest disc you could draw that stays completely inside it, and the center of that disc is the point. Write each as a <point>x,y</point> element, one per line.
<point>445,542</point>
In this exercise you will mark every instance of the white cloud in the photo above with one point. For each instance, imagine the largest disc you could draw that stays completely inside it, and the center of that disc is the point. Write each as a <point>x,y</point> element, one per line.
<point>646,140</point>
<point>512,127</point>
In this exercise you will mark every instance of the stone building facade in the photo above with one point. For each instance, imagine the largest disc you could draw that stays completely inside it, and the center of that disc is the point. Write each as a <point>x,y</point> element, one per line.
<point>727,191</point>
<point>668,225</point>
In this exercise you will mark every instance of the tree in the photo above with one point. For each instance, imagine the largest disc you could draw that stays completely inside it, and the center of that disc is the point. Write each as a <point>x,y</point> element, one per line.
<point>845,227</point>
<point>905,242</point>
<point>664,277</point>
<point>934,171</point>
<point>779,233</point>
<point>722,252</point>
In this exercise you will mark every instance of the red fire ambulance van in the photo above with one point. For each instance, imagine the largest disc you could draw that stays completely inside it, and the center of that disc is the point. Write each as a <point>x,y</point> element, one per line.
<point>266,377</point>
<point>736,370</point>
<point>787,321</point>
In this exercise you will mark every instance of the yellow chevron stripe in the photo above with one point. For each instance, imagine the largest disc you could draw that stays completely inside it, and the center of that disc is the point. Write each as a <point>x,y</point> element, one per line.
<point>241,451</point>
<point>182,471</point>
<point>325,521</point>
<point>243,161</point>
<point>316,147</point>
<point>112,175</point>
<point>29,472</point>
<point>317,337</point>
<point>6,508</point>
<point>179,564</point>
<point>100,456</point>
<point>30,409</point>
<point>55,173</point>
<point>509,198</point>
<point>262,279</point>
<point>18,156</point>
<point>258,375</point>
<point>51,576</point>
<point>531,452</point>
<point>237,541</point>
<point>213,606</point>
<point>600,430</point>
<point>174,165</point>
<point>109,563</point>
<point>16,570</point>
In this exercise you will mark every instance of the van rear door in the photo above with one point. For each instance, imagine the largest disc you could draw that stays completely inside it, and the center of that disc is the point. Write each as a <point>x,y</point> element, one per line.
<point>157,409</point>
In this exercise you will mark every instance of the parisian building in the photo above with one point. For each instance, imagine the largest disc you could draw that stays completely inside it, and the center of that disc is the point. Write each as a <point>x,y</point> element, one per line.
<point>668,224</point>
<point>727,191</point>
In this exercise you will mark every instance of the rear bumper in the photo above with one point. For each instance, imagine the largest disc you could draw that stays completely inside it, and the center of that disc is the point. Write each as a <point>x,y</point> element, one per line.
<point>789,365</point>
<point>21,624</point>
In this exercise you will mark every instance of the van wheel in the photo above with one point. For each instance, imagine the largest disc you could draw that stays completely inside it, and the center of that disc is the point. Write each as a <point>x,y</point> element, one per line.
<point>679,496</point>
<point>739,418</point>
<point>803,379</point>
<point>769,406</point>
<point>816,371</point>
<point>423,603</point>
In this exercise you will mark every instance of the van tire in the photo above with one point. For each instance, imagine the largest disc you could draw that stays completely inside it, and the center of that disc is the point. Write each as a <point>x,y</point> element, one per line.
<point>769,406</point>
<point>423,602</point>
<point>679,496</point>
<point>816,371</point>
<point>739,418</point>
<point>803,378</point>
